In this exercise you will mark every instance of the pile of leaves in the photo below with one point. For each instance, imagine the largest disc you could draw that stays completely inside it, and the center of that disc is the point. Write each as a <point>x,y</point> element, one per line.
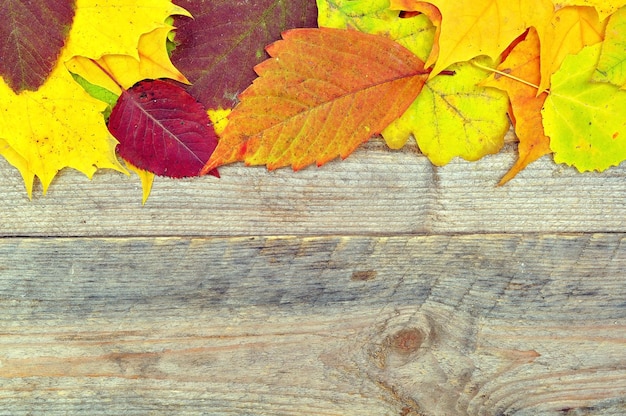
<point>295,83</point>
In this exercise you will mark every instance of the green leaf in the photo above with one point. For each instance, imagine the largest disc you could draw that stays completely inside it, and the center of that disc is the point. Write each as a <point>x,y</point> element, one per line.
<point>585,120</point>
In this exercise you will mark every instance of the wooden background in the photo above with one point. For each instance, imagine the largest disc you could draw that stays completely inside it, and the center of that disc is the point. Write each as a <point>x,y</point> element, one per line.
<point>379,285</point>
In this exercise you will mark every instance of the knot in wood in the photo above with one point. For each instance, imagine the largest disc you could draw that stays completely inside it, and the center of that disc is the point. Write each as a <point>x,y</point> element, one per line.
<point>406,341</point>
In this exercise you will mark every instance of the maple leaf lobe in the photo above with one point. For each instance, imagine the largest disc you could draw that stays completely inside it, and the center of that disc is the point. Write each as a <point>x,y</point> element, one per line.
<point>162,129</point>
<point>32,35</point>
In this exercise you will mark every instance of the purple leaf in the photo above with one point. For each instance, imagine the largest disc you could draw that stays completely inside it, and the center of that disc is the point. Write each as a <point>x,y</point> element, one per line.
<point>220,46</point>
<point>32,34</point>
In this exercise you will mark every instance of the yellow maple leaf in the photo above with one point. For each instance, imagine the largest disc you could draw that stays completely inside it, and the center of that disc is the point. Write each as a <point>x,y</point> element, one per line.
<point>605,8</point>
<point>17,161</point>
<point>60,125</point>
<point>125,70</point>
<point>484,27</point>
<point>570,29</point>
<point>113,27</point>
<point>57,126</point>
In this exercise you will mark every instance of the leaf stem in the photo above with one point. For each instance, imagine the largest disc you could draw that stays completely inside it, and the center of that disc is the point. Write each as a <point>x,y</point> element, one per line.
<point>504,74</point>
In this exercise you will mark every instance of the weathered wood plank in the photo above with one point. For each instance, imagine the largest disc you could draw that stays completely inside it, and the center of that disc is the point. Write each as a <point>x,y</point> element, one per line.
<point>375,191</point>
<point>423,325</point>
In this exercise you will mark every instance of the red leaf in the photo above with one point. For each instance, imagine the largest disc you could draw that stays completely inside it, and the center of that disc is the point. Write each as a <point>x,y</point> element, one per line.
<point>32,35</point>
<point>162,129</point>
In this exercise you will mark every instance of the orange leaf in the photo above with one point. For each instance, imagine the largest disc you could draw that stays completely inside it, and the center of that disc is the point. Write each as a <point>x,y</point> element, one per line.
<point>525,111</point>
<point>323,93</point>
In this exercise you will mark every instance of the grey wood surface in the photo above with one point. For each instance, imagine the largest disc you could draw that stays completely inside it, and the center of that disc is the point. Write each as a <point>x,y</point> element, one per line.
<point>379,285</point>
<point>374,191</point>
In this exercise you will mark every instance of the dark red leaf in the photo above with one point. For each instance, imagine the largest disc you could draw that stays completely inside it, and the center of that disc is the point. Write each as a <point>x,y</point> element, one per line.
<point>162,129</point>
<point>32,34</point>
<point>226,38</point>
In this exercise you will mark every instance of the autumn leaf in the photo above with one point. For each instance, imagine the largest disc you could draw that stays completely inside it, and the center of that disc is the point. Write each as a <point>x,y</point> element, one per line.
<point>146,178</point>
<point>113,27</point>
<point>107,77</point>
<point>612,64</point>
<point>453,116</point>
<point>219,47</point>
<point>581,117</point>
<point>441,115</point>
<point>603,7</point>
<point>484,27</point>
<point>525,111</point>
<point>323,92</point>
<point>376,17</point>
<point>162,129</point>
<point>432,13</point>
<point>60,125</point>
<point>570,29</point>
<point>32,35</point>
<point>123,71</point>
<point>69,130</point>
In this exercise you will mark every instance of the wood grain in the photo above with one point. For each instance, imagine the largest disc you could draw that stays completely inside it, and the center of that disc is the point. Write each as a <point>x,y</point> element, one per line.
<point>376,191</point>
<point>492,324</point>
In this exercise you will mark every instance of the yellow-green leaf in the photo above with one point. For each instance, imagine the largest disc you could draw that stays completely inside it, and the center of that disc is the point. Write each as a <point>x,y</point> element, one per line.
<point>612,64</point>
<point>453,116</point>
<point>585,120</point>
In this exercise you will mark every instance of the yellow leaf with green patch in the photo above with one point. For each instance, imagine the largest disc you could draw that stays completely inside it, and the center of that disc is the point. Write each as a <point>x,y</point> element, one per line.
<point>453,116</point>
<point>374,16</point>
<point>484,27</point>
